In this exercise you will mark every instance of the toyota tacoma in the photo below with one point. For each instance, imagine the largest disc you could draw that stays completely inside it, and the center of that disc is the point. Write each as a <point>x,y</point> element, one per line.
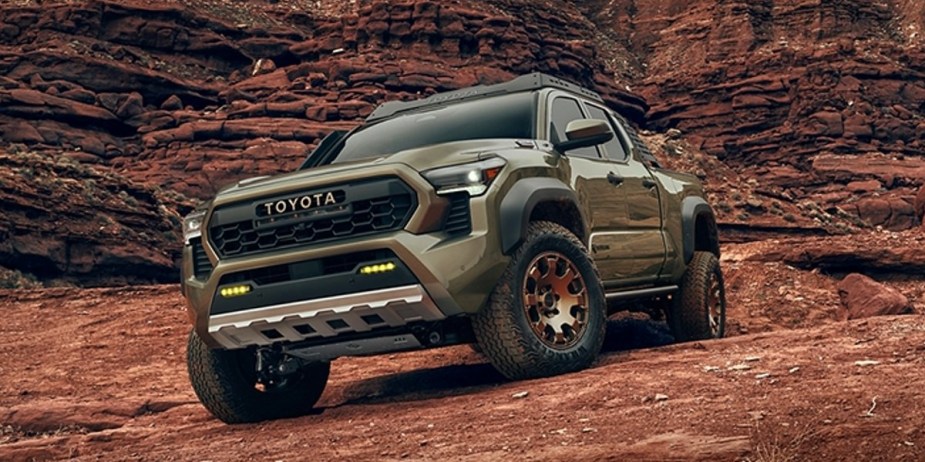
<point>515,217</point>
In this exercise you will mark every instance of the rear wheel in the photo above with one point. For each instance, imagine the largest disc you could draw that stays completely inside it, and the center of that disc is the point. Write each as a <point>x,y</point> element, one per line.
<point>699,310</point>
<point>227,384</point>
<point>546,316</point>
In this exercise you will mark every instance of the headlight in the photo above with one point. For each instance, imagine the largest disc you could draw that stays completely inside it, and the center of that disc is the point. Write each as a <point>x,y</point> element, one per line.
<point>192,225</point>
<point>472,178</point>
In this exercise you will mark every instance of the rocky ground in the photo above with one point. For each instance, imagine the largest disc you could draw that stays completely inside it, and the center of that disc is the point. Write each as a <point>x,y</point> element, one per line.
<point>94,374</point>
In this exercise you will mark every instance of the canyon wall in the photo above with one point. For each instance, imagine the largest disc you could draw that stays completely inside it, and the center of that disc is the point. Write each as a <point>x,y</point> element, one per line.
<point>803,117</point>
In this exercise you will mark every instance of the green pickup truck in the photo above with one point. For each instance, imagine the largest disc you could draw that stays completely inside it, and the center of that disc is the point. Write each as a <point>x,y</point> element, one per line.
<point>515,217</point>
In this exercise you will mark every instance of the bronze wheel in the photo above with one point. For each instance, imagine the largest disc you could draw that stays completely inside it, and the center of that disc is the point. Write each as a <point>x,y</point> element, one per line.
<point>716,305</point>
<point>547,315</point>
<point>555,300</point>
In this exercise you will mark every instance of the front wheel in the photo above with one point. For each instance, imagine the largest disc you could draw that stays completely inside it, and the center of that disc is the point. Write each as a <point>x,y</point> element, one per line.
<point>547,315</point>
<point>227,384</point>
<point>699,310</point>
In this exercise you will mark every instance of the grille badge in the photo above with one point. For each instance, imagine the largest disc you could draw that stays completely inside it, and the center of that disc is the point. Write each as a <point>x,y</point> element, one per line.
<point>299,203</point>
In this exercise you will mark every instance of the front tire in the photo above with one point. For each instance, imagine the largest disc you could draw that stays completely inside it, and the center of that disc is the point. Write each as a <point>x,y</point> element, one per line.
<point>226,383</point>
<point>547,315</point>
<point>699,310</point>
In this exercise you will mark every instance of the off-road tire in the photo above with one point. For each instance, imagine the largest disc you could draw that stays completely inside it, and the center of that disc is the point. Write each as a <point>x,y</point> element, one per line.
<point>690,314</point>
<point>225,382</point>
<point>502,328</point>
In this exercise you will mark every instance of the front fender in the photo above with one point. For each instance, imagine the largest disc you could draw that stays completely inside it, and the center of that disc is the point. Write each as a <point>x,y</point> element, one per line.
<point>520,201</point>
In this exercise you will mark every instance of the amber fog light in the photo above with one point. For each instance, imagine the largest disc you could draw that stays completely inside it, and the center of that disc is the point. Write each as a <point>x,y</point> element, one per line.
<point>379,268</point>
<point>234,291</point>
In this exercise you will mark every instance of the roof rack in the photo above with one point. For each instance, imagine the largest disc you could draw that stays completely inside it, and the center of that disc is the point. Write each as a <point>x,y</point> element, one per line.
<point>534,81</point>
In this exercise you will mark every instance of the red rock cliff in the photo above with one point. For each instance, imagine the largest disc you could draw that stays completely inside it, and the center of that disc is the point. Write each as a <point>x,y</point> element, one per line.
<point>193,97</point>
<point>793,111</point>
<point>821,99</point>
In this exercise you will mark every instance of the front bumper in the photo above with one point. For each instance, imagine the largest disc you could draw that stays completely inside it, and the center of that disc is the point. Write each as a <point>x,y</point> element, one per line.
<point>450,276</point>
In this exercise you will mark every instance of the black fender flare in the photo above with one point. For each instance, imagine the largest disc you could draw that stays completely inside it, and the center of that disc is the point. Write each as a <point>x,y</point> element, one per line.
<point>693,207</point>
<point>520,201</point>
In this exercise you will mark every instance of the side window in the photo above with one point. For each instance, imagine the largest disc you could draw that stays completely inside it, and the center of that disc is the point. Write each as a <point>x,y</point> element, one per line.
<point>565,110</point>
<point>614,149</point>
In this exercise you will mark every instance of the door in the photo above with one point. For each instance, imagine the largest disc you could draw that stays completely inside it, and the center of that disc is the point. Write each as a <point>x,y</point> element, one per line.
<point>601,194</point>
<point>634,249</point>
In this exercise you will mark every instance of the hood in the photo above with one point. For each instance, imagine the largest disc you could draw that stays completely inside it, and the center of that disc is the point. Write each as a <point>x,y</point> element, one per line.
<point>420,159</point>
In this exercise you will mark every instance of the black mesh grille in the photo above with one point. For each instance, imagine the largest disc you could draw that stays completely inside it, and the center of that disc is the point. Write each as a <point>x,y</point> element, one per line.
<point>369,208</point>
<point>202,267</point>
<point>458,221</point>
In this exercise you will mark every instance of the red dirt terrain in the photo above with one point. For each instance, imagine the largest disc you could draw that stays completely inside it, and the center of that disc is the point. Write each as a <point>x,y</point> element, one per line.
<point>804,118</point>
<point>100,374</point>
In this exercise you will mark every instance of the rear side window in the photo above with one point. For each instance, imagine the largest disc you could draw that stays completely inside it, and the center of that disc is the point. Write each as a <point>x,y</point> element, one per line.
<point>565,110</point>
<point>614,149</point>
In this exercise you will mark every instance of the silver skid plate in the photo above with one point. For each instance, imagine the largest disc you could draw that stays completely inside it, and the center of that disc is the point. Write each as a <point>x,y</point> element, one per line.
<point>324,317</point>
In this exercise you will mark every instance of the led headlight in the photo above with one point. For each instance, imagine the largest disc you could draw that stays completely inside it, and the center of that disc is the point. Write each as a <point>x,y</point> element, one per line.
<point>473,178</point>
<point>192,225</point>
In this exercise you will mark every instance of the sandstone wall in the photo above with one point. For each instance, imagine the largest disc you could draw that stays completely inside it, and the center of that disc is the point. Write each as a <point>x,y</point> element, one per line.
<point>193,97</point>
<point>802,116</point>
<point>823,100</point>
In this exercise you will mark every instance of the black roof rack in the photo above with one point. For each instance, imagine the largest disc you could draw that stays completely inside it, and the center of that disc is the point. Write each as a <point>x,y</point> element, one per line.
<point>528,82</point>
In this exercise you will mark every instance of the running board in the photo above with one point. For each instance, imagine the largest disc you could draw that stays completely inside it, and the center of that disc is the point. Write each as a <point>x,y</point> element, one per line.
<point>641,293</point>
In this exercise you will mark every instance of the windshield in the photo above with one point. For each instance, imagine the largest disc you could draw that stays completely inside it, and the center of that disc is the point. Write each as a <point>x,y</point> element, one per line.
<point>507,116</point>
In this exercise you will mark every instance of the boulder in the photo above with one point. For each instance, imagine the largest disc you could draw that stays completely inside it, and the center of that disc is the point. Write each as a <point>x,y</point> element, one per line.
<point>172,103</point>
<point>864,297</point>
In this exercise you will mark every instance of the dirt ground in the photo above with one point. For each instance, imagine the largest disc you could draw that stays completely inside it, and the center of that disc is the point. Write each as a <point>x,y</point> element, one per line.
<point>99,374</point>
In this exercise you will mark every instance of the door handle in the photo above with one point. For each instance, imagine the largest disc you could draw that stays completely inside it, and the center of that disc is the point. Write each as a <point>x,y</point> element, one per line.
<point>649,182</point>
<point>614,179</point>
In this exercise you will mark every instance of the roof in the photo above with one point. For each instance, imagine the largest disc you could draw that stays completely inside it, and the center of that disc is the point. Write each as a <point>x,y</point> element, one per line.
<point>529,82</point>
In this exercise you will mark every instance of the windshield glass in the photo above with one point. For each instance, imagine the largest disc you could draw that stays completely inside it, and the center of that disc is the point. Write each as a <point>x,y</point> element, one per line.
<point>507,116</point>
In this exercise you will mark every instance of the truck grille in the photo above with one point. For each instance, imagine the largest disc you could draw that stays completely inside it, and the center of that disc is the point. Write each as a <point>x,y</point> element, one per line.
<point>368,207</point>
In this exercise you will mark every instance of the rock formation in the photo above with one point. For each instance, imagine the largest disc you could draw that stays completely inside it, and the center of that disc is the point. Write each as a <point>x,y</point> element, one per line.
<point>68,222</point>
<point>803,118</point>
<point>821,100</point>
<point>195,97</point>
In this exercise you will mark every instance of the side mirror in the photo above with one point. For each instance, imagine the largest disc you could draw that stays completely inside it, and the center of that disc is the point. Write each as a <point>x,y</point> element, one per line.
<point>585,132</point>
